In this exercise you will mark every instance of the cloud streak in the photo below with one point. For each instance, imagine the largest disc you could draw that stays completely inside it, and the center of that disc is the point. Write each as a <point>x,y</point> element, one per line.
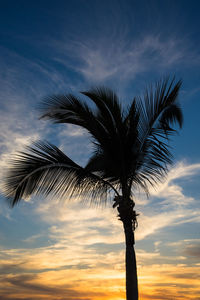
<point>118,58</point>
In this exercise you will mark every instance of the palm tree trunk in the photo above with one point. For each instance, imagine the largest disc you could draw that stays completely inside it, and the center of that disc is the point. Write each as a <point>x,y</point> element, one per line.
<point>131,267</point>
<point>128,217</point>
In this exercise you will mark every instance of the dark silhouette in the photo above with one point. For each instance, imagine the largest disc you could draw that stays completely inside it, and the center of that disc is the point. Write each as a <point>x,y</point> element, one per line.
<point>130,151</point>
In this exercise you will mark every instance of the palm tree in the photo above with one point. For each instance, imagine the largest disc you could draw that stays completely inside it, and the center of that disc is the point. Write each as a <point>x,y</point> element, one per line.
<point>130,151</point>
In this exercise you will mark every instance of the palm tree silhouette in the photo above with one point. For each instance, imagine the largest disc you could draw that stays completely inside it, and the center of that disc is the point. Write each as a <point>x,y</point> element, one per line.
<point>130,150</point>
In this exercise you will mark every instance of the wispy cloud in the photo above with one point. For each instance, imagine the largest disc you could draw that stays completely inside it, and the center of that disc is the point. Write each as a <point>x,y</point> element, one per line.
<point>169,204</point>
<point>120,58</point>
<point>172,191</point>
<point>188,247</point>
<point>23,83</point>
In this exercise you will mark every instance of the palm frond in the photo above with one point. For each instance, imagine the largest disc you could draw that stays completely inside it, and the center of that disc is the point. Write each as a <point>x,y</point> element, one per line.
<point>131,122</point>
<point>105,123</point>
<point>70,109</point>
<point>45,169</point>
<point>109,109</point>
<point>154,105</point>
<point>158,112</point>
<point>172,114</point>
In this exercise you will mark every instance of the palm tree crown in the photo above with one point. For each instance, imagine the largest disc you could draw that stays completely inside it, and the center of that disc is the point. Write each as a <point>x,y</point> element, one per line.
<point>130,146</point>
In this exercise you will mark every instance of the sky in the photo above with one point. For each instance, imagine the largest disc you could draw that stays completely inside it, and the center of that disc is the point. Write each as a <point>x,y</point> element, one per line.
<point>55,249</point>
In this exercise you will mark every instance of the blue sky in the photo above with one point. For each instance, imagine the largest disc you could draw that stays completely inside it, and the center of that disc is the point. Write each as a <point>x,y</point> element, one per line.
<point>52,47</point>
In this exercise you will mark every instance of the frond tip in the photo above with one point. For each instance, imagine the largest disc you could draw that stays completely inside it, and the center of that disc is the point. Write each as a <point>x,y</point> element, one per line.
<point>45,169</point>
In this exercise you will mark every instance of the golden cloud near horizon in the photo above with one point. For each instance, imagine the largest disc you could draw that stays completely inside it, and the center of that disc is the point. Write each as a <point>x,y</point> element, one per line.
<point>49,274</point>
